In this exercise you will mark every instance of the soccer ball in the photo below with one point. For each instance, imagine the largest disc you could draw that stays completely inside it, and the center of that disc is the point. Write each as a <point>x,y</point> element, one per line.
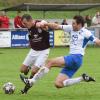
<point>8,88</point>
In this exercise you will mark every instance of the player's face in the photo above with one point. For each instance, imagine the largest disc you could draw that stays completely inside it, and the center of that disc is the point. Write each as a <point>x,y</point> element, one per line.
<point>28,24</point>
<point>76,27</point>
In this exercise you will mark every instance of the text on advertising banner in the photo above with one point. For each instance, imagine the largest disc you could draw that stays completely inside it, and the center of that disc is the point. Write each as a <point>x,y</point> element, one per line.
<point>19,38</point>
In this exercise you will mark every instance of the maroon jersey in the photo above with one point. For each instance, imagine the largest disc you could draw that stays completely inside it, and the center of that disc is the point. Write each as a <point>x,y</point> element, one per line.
<point>39,38</point>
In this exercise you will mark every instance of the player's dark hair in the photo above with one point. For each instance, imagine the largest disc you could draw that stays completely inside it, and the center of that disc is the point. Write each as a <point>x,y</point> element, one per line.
<point>79,20</point>
<point>27,17</point>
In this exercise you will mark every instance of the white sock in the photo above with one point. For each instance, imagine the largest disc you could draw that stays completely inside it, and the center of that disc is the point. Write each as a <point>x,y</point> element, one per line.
<point>39,74</point>
<point>72,81</point>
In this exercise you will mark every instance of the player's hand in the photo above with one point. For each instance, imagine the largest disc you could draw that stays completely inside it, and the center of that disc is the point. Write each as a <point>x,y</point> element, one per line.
<point>41,24</point>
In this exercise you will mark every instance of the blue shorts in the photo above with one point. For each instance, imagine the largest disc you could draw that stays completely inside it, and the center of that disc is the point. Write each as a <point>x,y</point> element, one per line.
<point>72,64</point>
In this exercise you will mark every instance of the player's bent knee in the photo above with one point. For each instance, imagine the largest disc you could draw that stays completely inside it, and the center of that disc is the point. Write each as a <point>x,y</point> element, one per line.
<point>58,84</point>
<point>24,70</point>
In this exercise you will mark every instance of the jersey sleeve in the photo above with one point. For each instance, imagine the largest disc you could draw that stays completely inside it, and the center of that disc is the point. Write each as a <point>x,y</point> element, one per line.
<point>66,28</point>
<point>88,35</point>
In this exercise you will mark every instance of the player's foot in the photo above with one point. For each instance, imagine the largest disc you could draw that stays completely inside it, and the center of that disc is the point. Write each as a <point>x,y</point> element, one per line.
<point>28,85</point>
<point>25,90</point>
<point>26,81</point>
<point>87,78</point>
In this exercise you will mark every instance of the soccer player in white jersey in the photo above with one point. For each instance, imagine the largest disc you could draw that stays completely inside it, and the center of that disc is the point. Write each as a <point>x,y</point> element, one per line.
<point>72,62</point>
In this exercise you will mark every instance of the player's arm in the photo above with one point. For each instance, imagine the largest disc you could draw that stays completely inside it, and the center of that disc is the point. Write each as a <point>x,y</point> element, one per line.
<point>53,26</point>
<point>50,25</point>
<point>91,37</point>
<point>66,28</point>
<point>45,25</point>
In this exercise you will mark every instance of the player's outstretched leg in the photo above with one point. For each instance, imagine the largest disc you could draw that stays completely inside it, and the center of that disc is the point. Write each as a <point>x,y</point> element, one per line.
<point>37,76</point>
<point>87,78</point>
<point>63,81</point>
<point>29,82</point>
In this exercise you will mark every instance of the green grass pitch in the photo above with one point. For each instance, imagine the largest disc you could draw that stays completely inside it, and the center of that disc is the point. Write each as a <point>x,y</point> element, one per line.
<point>11,60</point>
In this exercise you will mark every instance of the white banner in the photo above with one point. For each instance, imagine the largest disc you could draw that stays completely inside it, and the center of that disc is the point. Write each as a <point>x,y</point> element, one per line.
<point>5,38</point>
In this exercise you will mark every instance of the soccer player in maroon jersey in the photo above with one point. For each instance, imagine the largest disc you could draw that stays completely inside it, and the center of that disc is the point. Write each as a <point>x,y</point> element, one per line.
<point>39,43</point>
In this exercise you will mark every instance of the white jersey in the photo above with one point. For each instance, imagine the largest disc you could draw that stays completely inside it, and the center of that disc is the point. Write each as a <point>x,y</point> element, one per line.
<point>79,39</point>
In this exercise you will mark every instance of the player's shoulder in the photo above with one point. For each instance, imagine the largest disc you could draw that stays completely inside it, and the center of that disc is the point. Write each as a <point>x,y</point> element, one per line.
<point>85,30</point>
<point>37,23</point>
